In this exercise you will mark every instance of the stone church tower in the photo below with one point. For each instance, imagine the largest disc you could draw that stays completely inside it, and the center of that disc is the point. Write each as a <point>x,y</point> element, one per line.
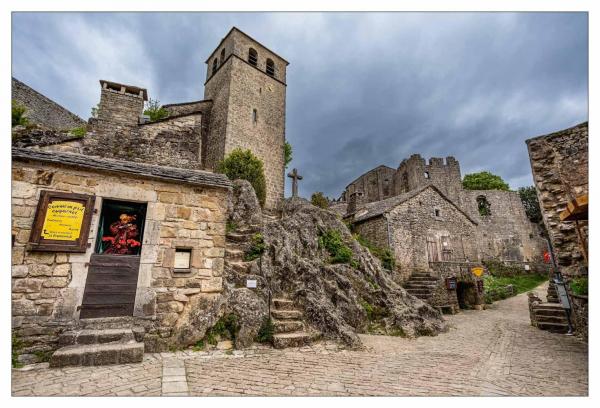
<point>246,83</point>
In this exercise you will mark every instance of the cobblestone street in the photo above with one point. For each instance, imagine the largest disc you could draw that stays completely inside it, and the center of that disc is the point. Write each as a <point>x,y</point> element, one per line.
<point>491,352</point>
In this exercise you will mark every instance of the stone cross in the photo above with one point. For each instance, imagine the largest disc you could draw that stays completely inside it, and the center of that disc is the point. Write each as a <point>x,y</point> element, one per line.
<point>295,177</point>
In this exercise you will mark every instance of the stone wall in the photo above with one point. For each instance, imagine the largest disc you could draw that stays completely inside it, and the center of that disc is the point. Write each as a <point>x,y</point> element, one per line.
<point>42,110</point>
<point>414,172</point>
<point>413,222</point>
<point>376,184</point>
<point>118,109</point>
<point>47,287</point>
<point>462,272</point>
<point>375,230</point>
<point>559,162</point>
<point>506,233</point>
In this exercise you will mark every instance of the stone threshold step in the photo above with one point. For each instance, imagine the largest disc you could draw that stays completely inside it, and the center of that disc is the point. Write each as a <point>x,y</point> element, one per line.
<point>286,314</point>
<point>98,354</point>
<point>92,336</point>
<point>294,339</point>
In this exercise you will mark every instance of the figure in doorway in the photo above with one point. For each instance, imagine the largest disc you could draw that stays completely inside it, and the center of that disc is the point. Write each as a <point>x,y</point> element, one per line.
<point>123,234</point>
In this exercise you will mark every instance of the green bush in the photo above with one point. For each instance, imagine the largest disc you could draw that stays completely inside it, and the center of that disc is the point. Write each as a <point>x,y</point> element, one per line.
<point>385,255</point>
<point>266,331</point>
<point>318,199</point>
<point>199,346</point>
<point>155,111</point>
<point>579,286</point>
<point>242,164</point>
<point>227,327</point>
<point>18,114</point>
<point>339,252</point>
<point>78,131</point>
<point>287,153</point>
<point>484,180</point>
<point>257,248</point>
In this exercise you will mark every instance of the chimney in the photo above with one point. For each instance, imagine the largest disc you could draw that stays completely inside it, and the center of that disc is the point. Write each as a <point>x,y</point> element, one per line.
<point>120,105</point>
<point>355,202</point>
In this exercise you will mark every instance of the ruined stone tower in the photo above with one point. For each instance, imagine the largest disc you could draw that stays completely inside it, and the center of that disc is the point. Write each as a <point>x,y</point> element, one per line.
<point>414,172</point>
<point>246,82</point>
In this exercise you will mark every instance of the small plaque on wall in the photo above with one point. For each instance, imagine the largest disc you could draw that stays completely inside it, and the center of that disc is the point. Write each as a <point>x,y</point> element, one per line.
<point>62,222</point>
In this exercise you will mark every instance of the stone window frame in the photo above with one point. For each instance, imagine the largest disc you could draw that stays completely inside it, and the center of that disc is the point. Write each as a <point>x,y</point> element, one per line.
<point>484,207</point>
<point>222,56</point>
<point>215,66</point>
<point>252,57</point>
<point>183,249</point>
<point>437,213</point>
<point>270,67</point>
<point>427,175</point>
<point>254,116</point>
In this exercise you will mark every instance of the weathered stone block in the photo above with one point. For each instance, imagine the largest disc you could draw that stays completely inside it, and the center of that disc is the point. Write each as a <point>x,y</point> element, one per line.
<point>62,270</point>
<point>40,270</point>
<point>212,285</point>
<point>19,271</point>
<point>56,282</point>
<point>27,285</point>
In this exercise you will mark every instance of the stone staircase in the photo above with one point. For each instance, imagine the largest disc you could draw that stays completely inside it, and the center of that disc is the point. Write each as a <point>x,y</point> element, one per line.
<point>551,317</point>
<point>236,244</point>
<point>551,294</point>
<point>421,285</point>
<point>93,347</point>
<point>290,330</point>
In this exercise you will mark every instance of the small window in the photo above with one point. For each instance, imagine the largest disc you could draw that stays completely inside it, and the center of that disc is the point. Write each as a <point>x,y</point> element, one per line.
<point>182,258</point>
<point>437,212</point>
<point>483,205</point>
<point>222,56</point>
<point>215,65</point>
<point>120,228</point>
<point>270,67</point>
<point>254,116</point>
<point>252,56</point>
<point>426,174</point>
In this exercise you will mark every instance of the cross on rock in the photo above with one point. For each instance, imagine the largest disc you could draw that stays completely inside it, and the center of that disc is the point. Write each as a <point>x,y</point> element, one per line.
<point>295,177</point>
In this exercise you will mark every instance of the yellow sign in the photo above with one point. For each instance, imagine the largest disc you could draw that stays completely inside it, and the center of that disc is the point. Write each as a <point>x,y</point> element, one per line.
<point>63,221</point>
<point>477,271</point>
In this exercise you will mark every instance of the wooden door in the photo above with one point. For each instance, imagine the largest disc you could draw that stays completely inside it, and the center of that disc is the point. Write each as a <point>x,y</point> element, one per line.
<point>432,250</point>
<point>110,286</point>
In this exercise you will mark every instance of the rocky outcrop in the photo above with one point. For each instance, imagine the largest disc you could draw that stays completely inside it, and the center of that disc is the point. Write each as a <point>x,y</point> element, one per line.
<point>338,300</point>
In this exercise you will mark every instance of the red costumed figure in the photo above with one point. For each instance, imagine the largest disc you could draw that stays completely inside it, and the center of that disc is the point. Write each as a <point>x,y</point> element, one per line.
<point>123,232</point>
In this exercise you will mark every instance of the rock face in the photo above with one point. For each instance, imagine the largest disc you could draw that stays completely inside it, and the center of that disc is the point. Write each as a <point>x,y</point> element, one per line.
<point>339,300</point>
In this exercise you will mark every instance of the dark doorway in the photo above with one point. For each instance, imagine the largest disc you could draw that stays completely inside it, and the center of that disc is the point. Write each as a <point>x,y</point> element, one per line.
<point>467,295</point>
<point>113,271</point>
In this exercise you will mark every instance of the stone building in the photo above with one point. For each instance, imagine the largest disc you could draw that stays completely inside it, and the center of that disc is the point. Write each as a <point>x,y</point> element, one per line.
<point>559,162</point>
<point>175,258</point>
<point>124,228</point>
<point>503,230</point>
<point>244,107</point>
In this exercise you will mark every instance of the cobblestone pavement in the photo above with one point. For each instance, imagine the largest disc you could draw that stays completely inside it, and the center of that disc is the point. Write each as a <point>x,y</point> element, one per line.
<point>490,352</point>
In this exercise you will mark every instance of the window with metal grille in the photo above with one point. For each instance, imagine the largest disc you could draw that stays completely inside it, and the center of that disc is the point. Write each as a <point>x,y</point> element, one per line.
<point>270,67</point>
<point>252,56</point>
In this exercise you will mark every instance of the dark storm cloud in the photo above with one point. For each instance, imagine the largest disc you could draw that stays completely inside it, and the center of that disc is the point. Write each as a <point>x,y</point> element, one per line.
<point>363,89</point>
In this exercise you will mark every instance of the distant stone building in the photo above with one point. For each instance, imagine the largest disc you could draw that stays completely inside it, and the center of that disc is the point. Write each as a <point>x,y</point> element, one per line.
<point>559,162</point>
<point>503,230</point>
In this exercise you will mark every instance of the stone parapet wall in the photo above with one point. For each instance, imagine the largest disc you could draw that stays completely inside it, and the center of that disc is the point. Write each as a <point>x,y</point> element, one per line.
<point>175,308</point>
<point>559,162</point>
<point>42,110</point>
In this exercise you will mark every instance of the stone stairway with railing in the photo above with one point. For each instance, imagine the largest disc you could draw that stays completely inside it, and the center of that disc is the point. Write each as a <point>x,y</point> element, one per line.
<point>99,344</point>
<point>290,330</point>
<point>551,317</point>
<point>421,285</point>
<point>551,294</point>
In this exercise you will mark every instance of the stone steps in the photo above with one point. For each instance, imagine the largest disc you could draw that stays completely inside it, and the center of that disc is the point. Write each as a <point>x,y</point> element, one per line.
<point>288,326</point>
<point>98,354</point>
<point>286,314</point>
<point>92,336</point>
<point>553,327</point>
<point>234,254</point>
<point>283,304</point>
<point>239,266</point>
<point>239,237</point>
<point>421,285</point>
<point>294,339</point>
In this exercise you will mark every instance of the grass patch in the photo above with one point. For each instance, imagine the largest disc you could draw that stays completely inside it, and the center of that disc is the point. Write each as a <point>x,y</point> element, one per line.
<point>230,226</point>
<point>384,254</point>
<point>43,356</point>
<point>199,346</point>
<point>257,248</point>
<point>227,327</point>
<point>78,131</point>
<point>339,252</point>
<point>579,286</point>
<point>266,331</point>
<point>374,313</point>
<point>17,344</point>
<point>495,286</point>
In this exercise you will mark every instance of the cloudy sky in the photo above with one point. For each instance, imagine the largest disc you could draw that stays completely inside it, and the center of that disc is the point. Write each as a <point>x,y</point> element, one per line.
<point>363,88</point>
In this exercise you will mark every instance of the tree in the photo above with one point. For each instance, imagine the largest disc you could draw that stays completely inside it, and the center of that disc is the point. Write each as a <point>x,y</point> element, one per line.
<point>18,114</point>
<point>95,110</point>
<point>287,153</point>
<point>319,200</point>
<point>155,111</point>
<point>242,164</point>
<point>530,202</point>
<point>484,180</point>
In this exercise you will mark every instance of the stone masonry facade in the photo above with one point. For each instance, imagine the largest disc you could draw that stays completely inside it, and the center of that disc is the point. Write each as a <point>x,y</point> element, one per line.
<point>559,162</point>
<point>42,110</point>
<point>184,209</point>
